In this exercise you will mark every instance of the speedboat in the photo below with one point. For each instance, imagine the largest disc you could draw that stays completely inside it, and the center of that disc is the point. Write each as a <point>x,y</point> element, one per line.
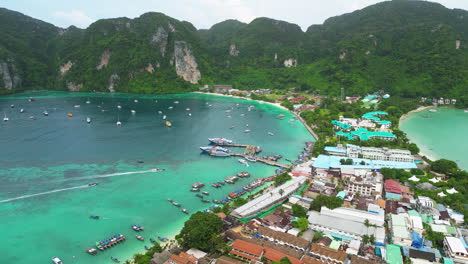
<point>57,260</point>
<point>76,106</point>
<point>133,111</point>
<point>189,114</point>
<point>205,193</point>
<point>88,120</point>
<point>119,106</point>
<point>159,112</point>
<point>195,190</point>
<point>164,117</point>
<point>270,134</point>
<point>247,131</point>
<point>88,101</point>
<point>136,101</point>
<point>211,148</point>
<point>170,107</point>
<point>187,109</point>
<point>91,251</point>
<point>12,106</point>
<point>94,217</point>
<point>432,110</point>
<point>5,118</point>
<point>115,259</point>
<point>251,159</point>
<point>176,204</point>
<point>185,211</point>
<point>93,184</point>
<point>21,110</point>
<point>220,140</point>
<point>176,102</point>
<point>242,114</point>
<point>45,113</point>
<point>243,162</point>
<point>118,123</point>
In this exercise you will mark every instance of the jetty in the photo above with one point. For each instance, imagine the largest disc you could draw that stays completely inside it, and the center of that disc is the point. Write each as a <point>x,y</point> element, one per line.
<point>251,151</point>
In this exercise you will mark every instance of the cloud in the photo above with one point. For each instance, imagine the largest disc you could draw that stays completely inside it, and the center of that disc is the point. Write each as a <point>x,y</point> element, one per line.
<point>75,17</point>
<point>219,10</point>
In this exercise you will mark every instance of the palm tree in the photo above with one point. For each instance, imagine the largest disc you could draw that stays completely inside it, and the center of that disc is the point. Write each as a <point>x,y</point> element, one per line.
<point>372,239</point>
<point>365,239</point>
<point>281,191</point>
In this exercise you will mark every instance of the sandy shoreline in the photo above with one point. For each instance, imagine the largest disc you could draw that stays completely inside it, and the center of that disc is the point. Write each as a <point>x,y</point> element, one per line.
<point>311,131</point>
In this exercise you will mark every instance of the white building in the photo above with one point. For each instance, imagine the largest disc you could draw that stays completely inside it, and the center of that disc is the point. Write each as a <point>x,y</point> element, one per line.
<point>453,247</point>
<point>400,230</point>
<point>400,155</point>
<point>278,194</point>
<point>368,184</point>
<point>416,224</point>
<point>355,215</point>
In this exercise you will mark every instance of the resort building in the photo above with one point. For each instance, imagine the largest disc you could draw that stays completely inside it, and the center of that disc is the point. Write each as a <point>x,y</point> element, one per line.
<point>252,252</point>
<point>333,162</point>
<point>270,198</point>
<point>368,185</point>
<point>182,258</point>
<point>354,151</point>
<point>454,248</point>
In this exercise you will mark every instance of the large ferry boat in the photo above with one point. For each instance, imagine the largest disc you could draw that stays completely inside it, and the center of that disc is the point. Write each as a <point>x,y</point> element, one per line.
<point>214,148</point>
<point>219,153</point>
<point>220,140</point>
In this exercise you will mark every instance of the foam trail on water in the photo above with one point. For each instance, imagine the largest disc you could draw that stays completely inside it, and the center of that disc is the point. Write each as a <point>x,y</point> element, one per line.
<point>112,175</point>
<point>44,193</point>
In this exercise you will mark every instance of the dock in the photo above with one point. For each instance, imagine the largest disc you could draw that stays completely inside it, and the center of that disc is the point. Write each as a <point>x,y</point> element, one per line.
<point>250,151</point>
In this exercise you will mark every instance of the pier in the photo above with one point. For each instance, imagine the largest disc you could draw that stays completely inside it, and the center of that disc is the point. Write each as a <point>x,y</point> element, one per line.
<point>250,151</point>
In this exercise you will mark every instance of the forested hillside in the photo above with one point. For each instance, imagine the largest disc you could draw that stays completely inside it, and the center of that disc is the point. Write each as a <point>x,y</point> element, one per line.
<point>408,48</point>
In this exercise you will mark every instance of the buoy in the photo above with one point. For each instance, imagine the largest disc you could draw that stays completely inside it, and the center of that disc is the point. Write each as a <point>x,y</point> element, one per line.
<point>70,115</point>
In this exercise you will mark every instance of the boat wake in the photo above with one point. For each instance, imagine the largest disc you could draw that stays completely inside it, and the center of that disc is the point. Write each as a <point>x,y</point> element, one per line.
<point>44,193</point>
<point>113,174</point>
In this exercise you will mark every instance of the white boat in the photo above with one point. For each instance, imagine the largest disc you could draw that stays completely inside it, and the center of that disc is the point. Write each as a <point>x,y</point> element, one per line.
<point>12,106</point>
<point>133,111</point>
<point>228,111</point>
<point>247,131</point>
<point>176,102</point>
<point>242,114</point>
<point>251,159</point>
<point>243,162</point>
<point>118,123</point>
<point>170,107</point>
<point>466,111</point>
<point>88,101</point>
<point>119,106</point>
<point>220,140</point>
<point>76,106</point>
<point>57,260</point>
<point>136,101</point>
<point>229,116</point>
<point>5,118</point>
<point>159,112</point>
<point>88,120</point>
<point>270,134</point>
<point>432,110</point>
<point>187,109</point>
<point>189,114</point>
<point>164,117</point>
<point>21,110</point>
<point>45,113</point>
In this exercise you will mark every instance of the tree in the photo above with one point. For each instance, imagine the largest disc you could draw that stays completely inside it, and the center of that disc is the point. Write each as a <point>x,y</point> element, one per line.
<point>298,211</point>
<point>284,260</point>
<point>372,239</point>
<point>302,224</point>
<point>444,166</point>
<point>413,148</point>
<point>365,239</point>
<point>330,202</point>
<point>200,231</point>
<point>281,191</point>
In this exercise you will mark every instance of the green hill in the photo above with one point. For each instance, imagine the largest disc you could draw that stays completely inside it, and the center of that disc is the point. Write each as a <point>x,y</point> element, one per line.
<point>408,48</point>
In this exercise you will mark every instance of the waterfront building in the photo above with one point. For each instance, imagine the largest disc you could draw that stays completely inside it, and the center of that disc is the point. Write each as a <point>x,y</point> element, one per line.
<point>270,198</point>
<point>333,162</point>
<point>354,151</point>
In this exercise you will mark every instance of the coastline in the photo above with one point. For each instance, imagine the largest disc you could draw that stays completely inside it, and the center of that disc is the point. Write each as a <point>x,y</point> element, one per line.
<point>311,131</point>
<point>419,109</point>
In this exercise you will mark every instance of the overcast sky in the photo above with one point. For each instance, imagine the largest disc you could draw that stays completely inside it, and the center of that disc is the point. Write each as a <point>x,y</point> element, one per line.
<point>201,13</point>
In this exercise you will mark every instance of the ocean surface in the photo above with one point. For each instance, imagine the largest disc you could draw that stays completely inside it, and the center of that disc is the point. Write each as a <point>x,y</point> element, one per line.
<point>46,164</point>
<point>442,134</point>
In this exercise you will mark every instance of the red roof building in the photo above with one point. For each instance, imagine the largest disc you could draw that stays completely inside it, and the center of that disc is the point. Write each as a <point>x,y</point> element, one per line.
<point>182,258</point>
<point>392,186</point>
<point>247,250</point>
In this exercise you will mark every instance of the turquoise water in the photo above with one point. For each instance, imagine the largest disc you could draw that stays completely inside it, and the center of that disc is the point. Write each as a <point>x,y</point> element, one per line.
<point>442,134</point>
<point>58,153</point>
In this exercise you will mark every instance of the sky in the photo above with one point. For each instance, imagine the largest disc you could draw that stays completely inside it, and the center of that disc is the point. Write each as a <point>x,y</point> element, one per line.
<point>202,13</point>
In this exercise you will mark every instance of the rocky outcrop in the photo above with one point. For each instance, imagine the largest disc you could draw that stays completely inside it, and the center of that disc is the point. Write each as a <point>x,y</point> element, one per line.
<point>290,63</point>
<point>343,55</point>
<point>65,68</point>
<point>233,51</point>
<point>457,44</point>
<point>113,81</point>
<point>105,57</point>
<point>171,27</point>
<point>276,56</point>
<point>9,76</point>
<point>160,37</point>
<point>185,63</point>
<point>72,87</point>
<point>149,68</point>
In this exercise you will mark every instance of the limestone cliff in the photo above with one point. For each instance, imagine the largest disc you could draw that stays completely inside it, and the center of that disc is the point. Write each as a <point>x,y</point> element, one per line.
<point>113,80</point>
<point>160,38</point>
<point>185,63</point>
<point>105,57</point>
<point>291,62</point>
<point>65,68</point>
<point>10,78</point>
<point>73,87</point>
<point>233,51</point>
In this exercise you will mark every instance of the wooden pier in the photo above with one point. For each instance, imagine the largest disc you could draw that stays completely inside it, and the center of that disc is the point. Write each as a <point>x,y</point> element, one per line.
<point>250,151</point>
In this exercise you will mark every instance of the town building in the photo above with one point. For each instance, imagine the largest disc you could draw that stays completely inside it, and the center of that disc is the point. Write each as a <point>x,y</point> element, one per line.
<point>368,185</point>
<point>327,254</point>
<point>454,248</point>
<point>182,258</point>
<point>400,230</point>
<point>354,151</point>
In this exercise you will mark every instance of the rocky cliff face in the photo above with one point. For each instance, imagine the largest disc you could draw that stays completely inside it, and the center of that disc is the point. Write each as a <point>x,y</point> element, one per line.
<point>74,87</point>
<point>233,51</point>
<point>291,62</point>
<point>113,82</point>
<point>9,75</point>
<point>185,63</point>
<point>65,68</point>
<point>105,57</point>
<point>160,38</point>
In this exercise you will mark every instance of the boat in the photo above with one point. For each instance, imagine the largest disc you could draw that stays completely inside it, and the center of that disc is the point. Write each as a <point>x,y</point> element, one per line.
<point>270,134</point>
<point>176,204</point>
<point>185,211</point>
<point>231,127</point>
<point>163,239</point>
<point>76,106</point>
<point>164,117</point>
<point>206,201</point>
<point>88,120</point>
<point>215,185</point>
<point>140,238</point>
<point>243,174</point>
<point>216,201</point>
<point>243,162</point>
<point>88,101</point>
<point>93,184</point>
<point>219,153</point>
<point>176,102</point>
<point>228,111</point>
<point>94,217</point>
<point>465,111</point>
<point>159,112</point>
<point>5,118</point>
<point>136,101</point>
<point>187,109</point>
<point>31,99</point>
<point>195,190</point>
<point>208,149</point>
<point>247,131</point>
<point>45,113</point>
<point>115,259</point>
<point>119,106</point>
<point>168,124</point>
<point>133,111</point>
<point>32,117</point>
<point>57,260</point>
<point>242,114</point>
<point>199,195</point>
<point>170,107</point>
<point>21,110</point>
<point>147,248</point>
<point>198,185</point>
<point>189,114</point>
<point>118,123</point>
<point>221,182</point>
<point>110,242</point>
<point>220,141</point>
<point>170,200</point>
<point>91,251</point>
<point>251,159</point>
<point>205,193</point>
<point>70,115</point>
<point>137,227</point>
<point>152,240</point>
<point>207,211</point>
<point>432,110</point>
